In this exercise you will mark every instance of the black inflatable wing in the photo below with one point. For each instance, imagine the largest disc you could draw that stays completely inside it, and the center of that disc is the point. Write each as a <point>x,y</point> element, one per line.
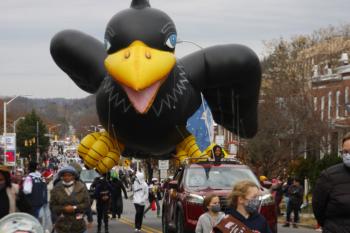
<point>230,83</point>
<point>81,57</point>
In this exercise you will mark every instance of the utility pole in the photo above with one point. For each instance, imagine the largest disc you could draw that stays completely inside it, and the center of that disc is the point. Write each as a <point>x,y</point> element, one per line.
<point>37,142</point>
<point>4,138</point>
<point>5,126</point>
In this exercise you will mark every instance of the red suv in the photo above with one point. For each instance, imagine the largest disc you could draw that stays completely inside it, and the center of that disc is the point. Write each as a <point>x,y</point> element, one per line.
<point>184,194</point>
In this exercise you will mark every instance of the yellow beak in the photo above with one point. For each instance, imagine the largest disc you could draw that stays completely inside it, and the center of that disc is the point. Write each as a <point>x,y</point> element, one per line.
<point>139,66</point>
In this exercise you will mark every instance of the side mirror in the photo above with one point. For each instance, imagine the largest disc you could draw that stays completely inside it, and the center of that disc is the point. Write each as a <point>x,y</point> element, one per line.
<point>173,184</point>
<point>266,184</point>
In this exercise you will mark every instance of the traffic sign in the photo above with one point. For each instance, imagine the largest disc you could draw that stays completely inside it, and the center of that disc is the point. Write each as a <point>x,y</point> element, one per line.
<point>163,174</point>
<point>163,164</point>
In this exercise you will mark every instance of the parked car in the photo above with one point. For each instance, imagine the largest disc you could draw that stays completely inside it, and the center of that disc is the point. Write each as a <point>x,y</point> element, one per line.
<point>184,194</point>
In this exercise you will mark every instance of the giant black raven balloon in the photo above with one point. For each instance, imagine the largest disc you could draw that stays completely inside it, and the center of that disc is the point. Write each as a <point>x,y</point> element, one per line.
<point>144,95</point>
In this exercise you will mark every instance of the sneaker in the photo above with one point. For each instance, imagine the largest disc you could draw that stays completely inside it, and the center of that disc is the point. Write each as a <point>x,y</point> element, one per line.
<point>319,229</point>
<point>285,225</point>
<point>295,225</point>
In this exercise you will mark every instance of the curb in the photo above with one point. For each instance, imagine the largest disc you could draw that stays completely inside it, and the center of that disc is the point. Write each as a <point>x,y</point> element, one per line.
<point>300,225</point>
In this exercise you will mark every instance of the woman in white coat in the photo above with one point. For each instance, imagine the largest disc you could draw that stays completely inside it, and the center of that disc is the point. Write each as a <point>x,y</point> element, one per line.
<point>140,189</point>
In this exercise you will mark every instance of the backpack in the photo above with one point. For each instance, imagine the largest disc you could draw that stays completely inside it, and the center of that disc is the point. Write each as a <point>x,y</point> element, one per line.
<point>38,196</point>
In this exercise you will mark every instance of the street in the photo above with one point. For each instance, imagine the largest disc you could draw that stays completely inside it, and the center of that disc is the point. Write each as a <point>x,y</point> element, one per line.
<point>152,224</point>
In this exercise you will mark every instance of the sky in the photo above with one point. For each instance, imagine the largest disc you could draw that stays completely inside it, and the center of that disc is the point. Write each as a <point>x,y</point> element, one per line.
<point>27,26</point>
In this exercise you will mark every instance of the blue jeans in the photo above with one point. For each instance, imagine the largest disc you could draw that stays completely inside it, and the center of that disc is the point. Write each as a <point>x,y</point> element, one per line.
<point>36,211</point>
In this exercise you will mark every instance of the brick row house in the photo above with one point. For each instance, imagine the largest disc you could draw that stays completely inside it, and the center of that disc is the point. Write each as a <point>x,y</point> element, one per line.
<point>331,98</point>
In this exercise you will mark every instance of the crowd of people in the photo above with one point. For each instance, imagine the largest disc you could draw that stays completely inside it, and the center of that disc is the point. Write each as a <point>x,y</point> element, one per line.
<point>61,201</point>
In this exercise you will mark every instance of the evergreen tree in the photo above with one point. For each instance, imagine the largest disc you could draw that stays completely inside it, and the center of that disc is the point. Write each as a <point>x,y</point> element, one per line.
<point>29,131</point>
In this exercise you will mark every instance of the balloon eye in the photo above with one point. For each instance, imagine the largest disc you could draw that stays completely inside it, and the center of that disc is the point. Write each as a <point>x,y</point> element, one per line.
<point>107,45</point>
<point>171,41</point>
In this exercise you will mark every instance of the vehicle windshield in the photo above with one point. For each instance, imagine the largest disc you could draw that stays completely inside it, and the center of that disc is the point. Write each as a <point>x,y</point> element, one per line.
<point>88,175</point>
<point>217,177</point>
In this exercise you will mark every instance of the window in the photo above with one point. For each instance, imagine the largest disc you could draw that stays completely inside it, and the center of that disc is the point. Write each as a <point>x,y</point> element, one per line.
<point>329,104</point>
<point>315,104</point>
<point>337,104</point>
<point>346,99</point>
<point>217,177</point>
<point>322,108</point>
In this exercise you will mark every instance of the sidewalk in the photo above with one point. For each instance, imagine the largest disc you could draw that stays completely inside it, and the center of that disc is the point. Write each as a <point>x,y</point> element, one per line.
<point>306,220</point>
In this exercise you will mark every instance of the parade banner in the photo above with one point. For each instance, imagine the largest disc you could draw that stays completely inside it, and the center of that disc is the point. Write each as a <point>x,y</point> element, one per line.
<point>229,224</point>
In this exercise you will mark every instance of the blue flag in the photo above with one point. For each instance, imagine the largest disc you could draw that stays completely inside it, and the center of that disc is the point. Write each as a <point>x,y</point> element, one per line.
<point>200,125</point>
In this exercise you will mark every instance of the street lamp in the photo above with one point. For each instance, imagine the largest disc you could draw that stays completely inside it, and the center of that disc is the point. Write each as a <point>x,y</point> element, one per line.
<point>15,122</point>
<point>5,133</point>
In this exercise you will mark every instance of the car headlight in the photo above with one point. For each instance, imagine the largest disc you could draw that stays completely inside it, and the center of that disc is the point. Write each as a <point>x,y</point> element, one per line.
<point>195,199</point>
<point>266,199</point>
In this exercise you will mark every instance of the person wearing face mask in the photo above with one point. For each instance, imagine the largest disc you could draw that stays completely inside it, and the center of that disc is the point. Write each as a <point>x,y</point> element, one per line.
<point>12,199</point>
<point>69,201</point>
<point>331,195</point>
<point>212,216</point>
<point>244,205</point>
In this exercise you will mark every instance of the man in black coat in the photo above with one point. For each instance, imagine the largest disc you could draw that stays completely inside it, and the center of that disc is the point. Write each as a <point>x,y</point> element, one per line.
<point>117,200</point>
<point>102,195</point>
<point>331,196</point>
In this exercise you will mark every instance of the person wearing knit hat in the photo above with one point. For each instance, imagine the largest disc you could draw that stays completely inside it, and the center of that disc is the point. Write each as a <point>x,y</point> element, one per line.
<point>69,201</point>
<point>88,213</point>
<point>12,198</point>
<point>20,222</point>
<point>47,175</point>
<point>68,169</point>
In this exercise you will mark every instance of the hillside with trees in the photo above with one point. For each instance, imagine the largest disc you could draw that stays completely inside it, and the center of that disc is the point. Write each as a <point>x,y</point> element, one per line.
<point>79,113</point>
